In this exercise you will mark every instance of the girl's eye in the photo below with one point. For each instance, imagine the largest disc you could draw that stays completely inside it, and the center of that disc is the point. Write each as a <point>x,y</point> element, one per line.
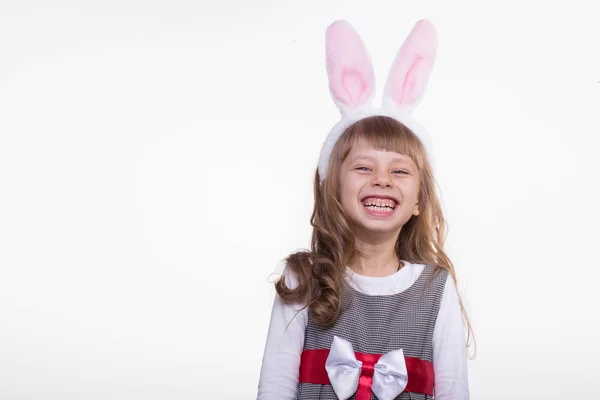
<point>398,171</point>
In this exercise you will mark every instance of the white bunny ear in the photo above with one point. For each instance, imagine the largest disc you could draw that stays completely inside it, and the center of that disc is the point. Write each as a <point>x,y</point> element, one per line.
<point>410,72</point>
<point>349,67</point>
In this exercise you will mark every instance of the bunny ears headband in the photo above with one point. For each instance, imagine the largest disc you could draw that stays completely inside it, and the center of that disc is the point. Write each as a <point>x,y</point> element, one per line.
<point>352,82</point>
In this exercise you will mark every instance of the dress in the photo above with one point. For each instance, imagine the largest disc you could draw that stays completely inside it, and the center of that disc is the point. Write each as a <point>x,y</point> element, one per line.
<point>380,324</point>
<point>380,314</point>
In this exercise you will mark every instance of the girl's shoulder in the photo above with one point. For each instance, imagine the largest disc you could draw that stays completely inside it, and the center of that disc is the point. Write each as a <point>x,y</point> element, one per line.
<point>434,271</point>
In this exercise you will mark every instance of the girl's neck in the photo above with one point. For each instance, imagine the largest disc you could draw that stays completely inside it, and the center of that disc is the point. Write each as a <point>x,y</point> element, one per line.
<point>375,259</point>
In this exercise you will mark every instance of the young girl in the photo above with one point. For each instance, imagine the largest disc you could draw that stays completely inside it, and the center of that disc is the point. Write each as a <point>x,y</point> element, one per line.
<point>371,311</point>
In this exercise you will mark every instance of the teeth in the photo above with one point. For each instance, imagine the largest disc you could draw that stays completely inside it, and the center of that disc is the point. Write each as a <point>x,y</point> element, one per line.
<point>380,209</point>
<point>380,203</point>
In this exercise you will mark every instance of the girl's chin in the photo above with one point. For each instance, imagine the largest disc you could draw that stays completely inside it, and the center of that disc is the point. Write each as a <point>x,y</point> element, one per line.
<point>376,226</point>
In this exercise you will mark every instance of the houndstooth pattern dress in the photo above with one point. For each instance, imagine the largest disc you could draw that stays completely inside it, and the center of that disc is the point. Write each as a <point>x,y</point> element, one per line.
<point>380,324</point>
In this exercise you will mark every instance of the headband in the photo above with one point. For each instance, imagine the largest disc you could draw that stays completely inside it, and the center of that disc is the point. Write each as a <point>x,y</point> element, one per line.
<point>352,82</point>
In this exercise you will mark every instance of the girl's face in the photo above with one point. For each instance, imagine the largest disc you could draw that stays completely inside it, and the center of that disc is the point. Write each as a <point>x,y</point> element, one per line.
<point>379,190</point>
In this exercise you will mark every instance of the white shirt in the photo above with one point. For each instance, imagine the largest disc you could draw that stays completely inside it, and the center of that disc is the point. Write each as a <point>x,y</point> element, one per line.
<point>281,361</point>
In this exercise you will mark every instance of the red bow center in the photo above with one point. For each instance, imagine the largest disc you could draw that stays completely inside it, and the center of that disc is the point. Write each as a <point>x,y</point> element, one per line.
<point>366,375</point>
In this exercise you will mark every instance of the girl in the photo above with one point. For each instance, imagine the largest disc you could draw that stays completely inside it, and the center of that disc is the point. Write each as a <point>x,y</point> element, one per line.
<point>371,311</point>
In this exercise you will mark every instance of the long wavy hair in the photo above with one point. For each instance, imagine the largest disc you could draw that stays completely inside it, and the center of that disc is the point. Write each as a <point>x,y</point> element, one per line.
<point>320,271</point>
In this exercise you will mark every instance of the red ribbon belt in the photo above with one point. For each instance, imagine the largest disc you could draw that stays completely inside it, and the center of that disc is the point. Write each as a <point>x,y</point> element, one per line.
<point>420,372</point>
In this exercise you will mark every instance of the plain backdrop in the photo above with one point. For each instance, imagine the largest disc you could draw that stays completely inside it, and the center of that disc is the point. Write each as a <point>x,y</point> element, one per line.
<point>156,166</point>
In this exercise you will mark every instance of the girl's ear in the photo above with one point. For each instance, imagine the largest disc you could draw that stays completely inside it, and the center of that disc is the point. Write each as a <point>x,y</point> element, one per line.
<point>416,210</point>
<point>410,71</point>
<point>349,67</point>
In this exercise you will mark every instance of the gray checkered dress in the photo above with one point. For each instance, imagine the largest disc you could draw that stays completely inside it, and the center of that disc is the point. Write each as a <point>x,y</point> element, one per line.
<point>380,324</point>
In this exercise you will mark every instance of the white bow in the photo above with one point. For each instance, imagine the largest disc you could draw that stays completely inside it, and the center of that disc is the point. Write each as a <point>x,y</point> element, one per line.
<point>389,378</point>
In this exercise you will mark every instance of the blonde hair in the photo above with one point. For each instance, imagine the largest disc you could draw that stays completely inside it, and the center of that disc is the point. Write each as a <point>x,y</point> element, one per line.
<point>320,270</point>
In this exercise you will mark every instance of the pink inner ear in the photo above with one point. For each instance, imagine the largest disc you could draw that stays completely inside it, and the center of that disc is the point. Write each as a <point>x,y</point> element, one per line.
<point>410,93</point>
<point>411,69</point>
<point>349,68</point>
<point>355,87</point>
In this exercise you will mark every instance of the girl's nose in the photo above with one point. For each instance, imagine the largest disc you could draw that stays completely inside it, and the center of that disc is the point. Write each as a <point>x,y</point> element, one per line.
<point>382,179</point>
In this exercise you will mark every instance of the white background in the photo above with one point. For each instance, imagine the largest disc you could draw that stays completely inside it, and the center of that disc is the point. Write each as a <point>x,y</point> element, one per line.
<point>156,165</point>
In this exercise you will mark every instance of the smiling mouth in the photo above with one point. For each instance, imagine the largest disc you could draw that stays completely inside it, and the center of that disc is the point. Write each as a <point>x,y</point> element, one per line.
<point>379,206</point>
